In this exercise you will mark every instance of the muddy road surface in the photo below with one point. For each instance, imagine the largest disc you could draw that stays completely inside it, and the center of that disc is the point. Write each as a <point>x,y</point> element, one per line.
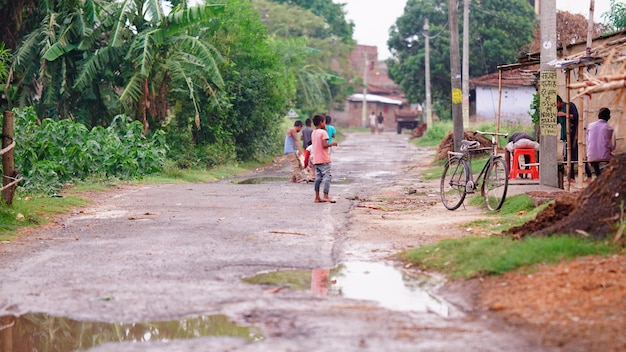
<point>162,267</point>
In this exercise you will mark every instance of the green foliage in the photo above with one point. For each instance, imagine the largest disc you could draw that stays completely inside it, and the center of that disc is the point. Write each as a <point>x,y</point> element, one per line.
<point>47,59</point>
<point>5,58</point>
<point>310,53</point>
<point>616,16</point>
<point>473,256</point>
<point>535,109</point>
<point>333,15</point>
<point>516,211</point>
<point>52,153</point>
<point>257,87</point>
<point>491,44</point>
<point>434,134</point>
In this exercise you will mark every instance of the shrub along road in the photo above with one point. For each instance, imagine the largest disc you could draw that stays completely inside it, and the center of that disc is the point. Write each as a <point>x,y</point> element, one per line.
<point>170,252</point>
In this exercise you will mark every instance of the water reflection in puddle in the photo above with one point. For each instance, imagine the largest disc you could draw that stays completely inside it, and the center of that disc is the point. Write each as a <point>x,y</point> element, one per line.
<point>389,287</point>
<point>42,332</point>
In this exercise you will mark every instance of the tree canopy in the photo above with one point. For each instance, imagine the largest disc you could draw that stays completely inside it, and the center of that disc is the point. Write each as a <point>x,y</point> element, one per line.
<point>491,25</point>
<point>332,13</point>
<point>209,74</point>
<point>616,16</point>
<point>316,59</point>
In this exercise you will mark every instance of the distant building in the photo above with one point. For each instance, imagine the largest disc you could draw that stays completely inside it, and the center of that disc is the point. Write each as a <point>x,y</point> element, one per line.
<point>382,94</point>
<point>518,88</point>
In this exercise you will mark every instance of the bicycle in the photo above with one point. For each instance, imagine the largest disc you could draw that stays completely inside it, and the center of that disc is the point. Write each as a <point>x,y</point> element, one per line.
<point>457,179</point>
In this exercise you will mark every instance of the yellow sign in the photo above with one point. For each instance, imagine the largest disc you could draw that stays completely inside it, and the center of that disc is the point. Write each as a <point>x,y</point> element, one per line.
<point>547,103</point>
<point>457,96</point>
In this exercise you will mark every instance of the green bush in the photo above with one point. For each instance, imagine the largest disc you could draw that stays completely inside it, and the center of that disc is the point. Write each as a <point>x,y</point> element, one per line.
<point>51,153</point>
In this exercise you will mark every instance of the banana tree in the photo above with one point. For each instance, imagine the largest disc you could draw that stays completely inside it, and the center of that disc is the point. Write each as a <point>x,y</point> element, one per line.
<point>47,59</point>
<point>155,54</point>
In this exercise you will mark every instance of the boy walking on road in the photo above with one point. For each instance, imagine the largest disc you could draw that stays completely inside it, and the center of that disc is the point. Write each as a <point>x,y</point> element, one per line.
<point>321,158</point>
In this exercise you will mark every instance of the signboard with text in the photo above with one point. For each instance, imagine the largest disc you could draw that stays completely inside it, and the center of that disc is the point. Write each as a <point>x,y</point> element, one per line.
<point>547,104</point>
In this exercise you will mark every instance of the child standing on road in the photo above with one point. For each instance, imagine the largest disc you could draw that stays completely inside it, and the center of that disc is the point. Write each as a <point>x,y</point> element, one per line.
<point>321,158</point>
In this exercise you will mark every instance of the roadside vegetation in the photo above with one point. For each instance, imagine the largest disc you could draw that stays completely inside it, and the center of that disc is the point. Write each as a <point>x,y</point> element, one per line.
<point>486,251</point>
<point>474,256</point>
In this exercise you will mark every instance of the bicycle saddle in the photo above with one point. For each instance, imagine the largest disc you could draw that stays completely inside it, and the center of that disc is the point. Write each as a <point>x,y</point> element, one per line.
<point>466,145</point>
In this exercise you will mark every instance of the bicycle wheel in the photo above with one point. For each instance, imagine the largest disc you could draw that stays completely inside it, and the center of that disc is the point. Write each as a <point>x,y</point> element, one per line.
<point>453,180</point>
<point>496,184</point>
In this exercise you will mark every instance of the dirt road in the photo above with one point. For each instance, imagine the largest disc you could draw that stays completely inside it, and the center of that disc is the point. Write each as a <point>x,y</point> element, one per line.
<point>177,254</point>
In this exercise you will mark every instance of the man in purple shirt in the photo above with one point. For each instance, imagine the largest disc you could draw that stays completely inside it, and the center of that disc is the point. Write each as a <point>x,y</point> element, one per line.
<point>600,141</point>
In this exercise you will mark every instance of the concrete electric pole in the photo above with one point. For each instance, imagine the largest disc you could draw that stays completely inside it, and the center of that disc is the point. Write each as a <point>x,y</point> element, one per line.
<point>455,73</point>
<point>547,96</point>
<point>466,76</point>
<point>429,108</point>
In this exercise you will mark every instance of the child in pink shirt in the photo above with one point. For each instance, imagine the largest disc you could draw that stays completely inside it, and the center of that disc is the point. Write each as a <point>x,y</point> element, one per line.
<point>321,158</point>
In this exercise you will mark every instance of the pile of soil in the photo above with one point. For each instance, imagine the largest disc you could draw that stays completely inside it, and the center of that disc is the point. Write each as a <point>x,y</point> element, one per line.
<point>598,212</point>
<point>561,208</point>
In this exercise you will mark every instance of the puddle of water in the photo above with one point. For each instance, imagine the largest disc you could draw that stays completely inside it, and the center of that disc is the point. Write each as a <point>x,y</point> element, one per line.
<point>389,287</point>
<point>376,174</point>
<point>260,180</point>
<point>42,332</point>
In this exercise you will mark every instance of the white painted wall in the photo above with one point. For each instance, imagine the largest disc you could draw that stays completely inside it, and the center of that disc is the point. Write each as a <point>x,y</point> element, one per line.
<point>515,104</point>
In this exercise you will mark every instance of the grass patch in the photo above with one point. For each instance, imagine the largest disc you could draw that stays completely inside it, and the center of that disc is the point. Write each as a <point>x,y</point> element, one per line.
<point>474,257</point>
<point>172,174</point>
<point>33,211</point>
<point>516,211</point>
<point>434,134</point>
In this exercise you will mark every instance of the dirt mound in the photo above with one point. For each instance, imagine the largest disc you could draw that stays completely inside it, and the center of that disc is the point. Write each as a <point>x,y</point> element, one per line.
<point>561,208</point>
<point>595,212</point>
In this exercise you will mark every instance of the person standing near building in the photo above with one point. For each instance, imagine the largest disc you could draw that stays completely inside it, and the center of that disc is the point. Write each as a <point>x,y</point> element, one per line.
<point>561,117</point>
<point>600,141</point>
<point>373,122</point>
<point>291,150</point>
<point>380,122</point>
<point>321,157</point>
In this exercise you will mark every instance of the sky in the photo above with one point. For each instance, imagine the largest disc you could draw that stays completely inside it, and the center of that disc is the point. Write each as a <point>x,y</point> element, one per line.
<point>373,18</point>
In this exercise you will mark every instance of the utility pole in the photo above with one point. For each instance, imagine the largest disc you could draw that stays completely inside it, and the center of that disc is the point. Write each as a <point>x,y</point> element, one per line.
<point>364,110</point>
<point>429,108</point>
<point>466,107</point>
<point>455,74</point>
<point>584,117</point>
<point>548,174</point>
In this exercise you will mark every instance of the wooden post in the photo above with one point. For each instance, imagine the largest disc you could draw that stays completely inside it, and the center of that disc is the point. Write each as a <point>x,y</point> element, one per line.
<point>8,163</point>
<point>6,333</point>
<point>499,100</point>
<point>568,140</point>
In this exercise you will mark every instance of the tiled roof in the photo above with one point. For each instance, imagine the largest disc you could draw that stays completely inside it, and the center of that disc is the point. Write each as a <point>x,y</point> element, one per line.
<point>524,76</point>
